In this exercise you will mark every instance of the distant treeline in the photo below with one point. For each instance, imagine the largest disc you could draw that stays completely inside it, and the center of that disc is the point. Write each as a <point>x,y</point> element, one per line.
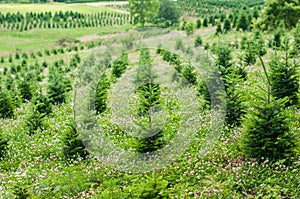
<point>47,1</point>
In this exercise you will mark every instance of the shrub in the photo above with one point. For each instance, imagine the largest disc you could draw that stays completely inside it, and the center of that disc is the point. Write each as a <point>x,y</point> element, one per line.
<point>198,41</point>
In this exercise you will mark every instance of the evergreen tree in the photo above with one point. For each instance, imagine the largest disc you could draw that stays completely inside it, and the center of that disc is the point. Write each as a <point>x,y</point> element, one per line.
<point>6,104</point>
<point>119,66</point>
<point>143,11</point>
<point>266,128</point>
<point>3,145</point>
<point>189,74</point>
<point>284,79</point>
<point>101,94</point>
<point>250,53</point>
<point>34,121</point>
<point>242,22</point>
<point>205,22</point>
<point>227,25</point>
<point>73,145</point>
<point>219,29</point>
<point>151,137</point>
<point>26,90</point>
<point>277,38</point>
<point>297,37</point>
<point>57,88</point>
<point>42,104</point>
<point>198,41</point>
<point>198,23</point>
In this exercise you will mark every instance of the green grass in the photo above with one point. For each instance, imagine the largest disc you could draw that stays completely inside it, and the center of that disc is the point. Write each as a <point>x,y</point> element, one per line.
<point>44,38</point>
<point>55,7</point>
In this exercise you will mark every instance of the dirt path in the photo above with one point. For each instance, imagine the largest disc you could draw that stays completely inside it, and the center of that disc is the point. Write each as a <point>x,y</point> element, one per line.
<point>93,37</point>
<point>107,3</point>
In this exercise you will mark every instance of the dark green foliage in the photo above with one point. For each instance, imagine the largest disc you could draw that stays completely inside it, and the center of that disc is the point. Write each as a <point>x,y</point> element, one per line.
<point>297,36</point>
<point>57,88</point>
<point>227,25</point>
<point>277,11</point>
<point>168,12</point>
<point>119,66</point>
<point>152,187</point>
<point>34,121</point>
<point>198,23</point>
<point>6,105</point>
<point>189,74</point>
<point>143,11</point>
<point>26,90</point>
<point>148,95</point>
<point>266,132</point>
<point>203,90</point>
<point>277,39</point>
<point>198,41</point>
<point>284,79</point>
<point>151,137</point>
<point>42,104</point>
<point>223,61</point>
<point>73,145</point>
<point>101,94</point>
<point>205,22</point>
<point>243,23</point>
<point>3,145</point>
<point>17,56</point>
<point>250,53</point>
<point>219,29</point>
<point>234,103</point>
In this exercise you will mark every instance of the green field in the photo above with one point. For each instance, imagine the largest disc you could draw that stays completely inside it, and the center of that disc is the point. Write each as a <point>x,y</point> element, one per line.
<point>55,7</point>
<point>40,39</point>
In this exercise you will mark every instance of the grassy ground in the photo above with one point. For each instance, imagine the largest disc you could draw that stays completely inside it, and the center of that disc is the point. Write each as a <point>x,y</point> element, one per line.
<point>55,7</point>
<point>44,38</point>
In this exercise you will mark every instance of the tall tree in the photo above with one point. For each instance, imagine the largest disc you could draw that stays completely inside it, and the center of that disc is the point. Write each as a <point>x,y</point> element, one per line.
<point>143,11</point>
<point>168,11</point>
<point>276,11</point>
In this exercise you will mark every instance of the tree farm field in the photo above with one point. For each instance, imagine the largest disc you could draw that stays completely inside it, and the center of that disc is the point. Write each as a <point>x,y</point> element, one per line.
<point>39,38</point>
<point>155,99</point>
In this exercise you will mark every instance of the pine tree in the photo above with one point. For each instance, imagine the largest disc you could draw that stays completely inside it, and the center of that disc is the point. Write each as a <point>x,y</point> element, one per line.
<point>73,145</point>
<point>119,66</point>
<point>284,78</point>
<point>205,22</point>
<point>243,23</point>
<point>219,29</point>
<point>198,23</point>
<point>189,74</point>
<point>57,88</point>
<point>297,37</point>
<point>198,41</point>
<point>34,121</point>
<point>42,104</point>
<point>6,105</point>
<point>227,25</point>
<point>151,137</point>
<point>250,53</point>
<point>101,94</point>
<point>26,90</point>
<point>3,145</point>
<point>266,128</point>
